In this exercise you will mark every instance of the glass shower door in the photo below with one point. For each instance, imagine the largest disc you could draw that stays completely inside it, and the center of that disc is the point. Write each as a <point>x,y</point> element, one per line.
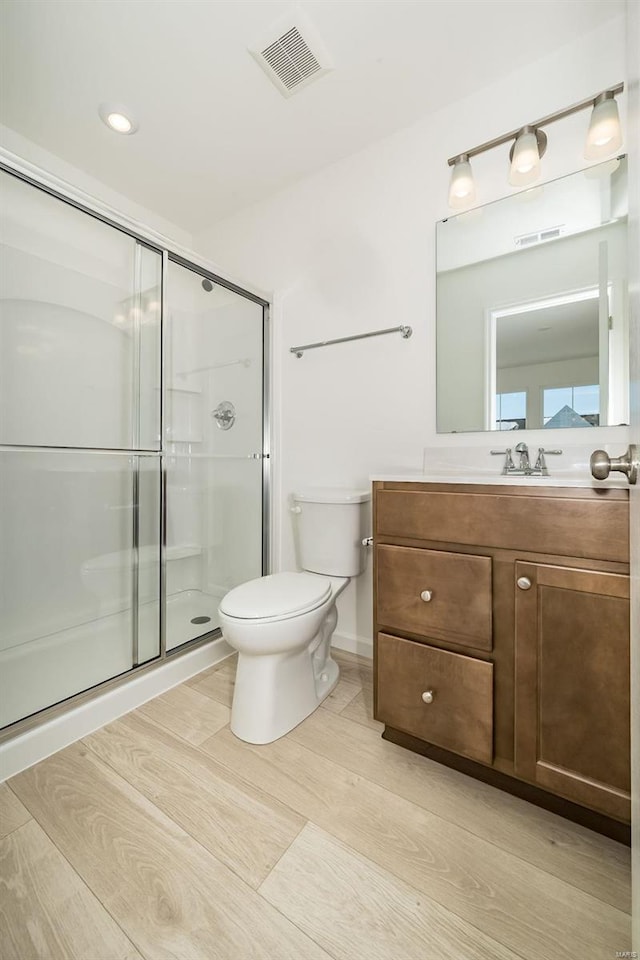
<point>67,573</point>
<point>79,451</point>
<point>213,449</point>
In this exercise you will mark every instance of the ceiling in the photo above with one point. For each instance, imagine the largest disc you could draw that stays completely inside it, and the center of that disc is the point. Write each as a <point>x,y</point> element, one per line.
<point>215,134</point>
<point>565,332</point>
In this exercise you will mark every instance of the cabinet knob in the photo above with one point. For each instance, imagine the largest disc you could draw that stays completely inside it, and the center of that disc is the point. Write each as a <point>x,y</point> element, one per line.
<point>427,696</point>
<point>426,595</point>
<point>524,583</point>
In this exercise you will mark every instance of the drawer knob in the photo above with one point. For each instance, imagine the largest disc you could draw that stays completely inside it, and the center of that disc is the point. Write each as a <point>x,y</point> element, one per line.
<point>524,583</point>
<point>426,595</point>
<point>427,696</point>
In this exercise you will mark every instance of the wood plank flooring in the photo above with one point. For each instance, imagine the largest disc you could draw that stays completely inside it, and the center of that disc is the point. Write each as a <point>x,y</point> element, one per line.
<point>12,812</point>
<point>163,836</point>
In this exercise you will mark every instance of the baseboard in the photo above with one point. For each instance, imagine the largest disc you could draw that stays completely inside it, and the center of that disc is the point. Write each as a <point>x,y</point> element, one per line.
<point>362,646</point>
<point>40,742</point>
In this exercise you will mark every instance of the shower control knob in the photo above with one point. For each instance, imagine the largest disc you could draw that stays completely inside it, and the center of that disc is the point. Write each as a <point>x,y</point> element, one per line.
<point>224,415</point>
<point>427,696</point>
<point>426,595</point>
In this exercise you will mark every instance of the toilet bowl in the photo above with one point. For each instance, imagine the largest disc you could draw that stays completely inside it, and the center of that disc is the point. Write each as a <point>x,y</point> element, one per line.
<point>282,624</point>
<point>285,669</point>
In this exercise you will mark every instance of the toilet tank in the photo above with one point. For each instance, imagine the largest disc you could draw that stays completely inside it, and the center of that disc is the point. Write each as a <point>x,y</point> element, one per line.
<point>332,522</point>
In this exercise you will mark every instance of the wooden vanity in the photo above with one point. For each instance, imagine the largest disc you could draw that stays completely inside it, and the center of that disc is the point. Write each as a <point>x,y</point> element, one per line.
<point>501,618</point>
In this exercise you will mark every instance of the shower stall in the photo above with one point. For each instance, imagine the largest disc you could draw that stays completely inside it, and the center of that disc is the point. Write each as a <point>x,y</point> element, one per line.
<point>133,449</point>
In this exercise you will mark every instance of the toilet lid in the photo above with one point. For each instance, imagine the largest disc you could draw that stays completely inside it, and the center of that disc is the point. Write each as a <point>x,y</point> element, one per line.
<point>278,595</point>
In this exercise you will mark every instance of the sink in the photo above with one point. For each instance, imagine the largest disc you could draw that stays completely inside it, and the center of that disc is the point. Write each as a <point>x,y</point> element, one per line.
<point>474,464</point>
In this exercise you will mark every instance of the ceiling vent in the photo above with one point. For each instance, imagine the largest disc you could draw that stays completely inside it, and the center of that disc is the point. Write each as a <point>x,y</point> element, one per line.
<point>292,54</point>
<point>551,233</point>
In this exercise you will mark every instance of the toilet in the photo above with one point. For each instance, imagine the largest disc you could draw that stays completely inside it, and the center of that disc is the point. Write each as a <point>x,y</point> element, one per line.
<point>282,624</point>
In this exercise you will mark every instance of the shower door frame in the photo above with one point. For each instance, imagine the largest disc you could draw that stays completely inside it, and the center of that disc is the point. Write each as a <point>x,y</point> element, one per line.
<point>169,252</point>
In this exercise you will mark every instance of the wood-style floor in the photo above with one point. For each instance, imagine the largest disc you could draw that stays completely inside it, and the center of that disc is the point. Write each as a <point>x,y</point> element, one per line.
<point>163,836</point>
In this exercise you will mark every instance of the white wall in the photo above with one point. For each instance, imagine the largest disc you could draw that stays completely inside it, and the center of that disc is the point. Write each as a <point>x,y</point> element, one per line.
<point>352,249</point>
<point>78,179</point>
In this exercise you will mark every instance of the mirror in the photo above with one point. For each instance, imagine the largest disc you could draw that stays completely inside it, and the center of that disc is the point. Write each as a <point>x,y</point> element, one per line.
<point>532,308</point>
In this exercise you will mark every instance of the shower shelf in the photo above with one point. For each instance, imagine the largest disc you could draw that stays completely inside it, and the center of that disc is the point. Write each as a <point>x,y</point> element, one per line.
<point>182,551</point>
<point>172,438</point>
<point>196,391</point>
<point>147,555</point>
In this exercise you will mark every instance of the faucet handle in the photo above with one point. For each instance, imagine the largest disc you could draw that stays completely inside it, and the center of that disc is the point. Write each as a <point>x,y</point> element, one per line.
<point>541,464</point>
<point>508,462</point>
<point>541,455</point>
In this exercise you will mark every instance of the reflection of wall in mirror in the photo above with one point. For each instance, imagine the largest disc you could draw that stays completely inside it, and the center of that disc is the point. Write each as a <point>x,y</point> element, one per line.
<point>535,378</point>
<point>467,295</point>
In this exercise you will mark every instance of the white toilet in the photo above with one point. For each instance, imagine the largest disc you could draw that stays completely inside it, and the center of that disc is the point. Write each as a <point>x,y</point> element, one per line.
<point>281,625</point>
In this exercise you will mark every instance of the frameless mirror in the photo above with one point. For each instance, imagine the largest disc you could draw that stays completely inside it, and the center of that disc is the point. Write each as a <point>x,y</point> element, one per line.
<point>532,308</point>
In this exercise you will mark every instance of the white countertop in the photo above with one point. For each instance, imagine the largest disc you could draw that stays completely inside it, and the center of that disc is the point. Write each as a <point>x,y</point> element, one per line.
<point>556,481</point>
<point>464,463</point>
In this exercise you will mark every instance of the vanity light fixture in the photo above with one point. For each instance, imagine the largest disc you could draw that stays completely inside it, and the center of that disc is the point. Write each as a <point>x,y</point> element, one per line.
<point>117,118</point>
<point>530,142</point>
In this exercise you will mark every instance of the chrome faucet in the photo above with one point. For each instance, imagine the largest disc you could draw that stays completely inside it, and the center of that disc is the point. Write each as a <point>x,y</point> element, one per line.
<point>523,467</point>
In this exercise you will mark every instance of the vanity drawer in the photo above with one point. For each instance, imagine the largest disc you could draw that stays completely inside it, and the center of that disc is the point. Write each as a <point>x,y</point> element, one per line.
<point>459,716</point>
<point>592,524</point>
<point>445,596</point>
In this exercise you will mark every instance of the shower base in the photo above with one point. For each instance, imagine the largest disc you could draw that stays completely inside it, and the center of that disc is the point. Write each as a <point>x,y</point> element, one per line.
<point>48,669</point>
<point>186,607</point>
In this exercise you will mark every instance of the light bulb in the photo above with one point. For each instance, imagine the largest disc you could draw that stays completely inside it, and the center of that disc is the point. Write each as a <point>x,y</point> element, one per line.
<point>604,136</point>
<point>525,158</point>
<point>117,118</point>
<point>462,190</point>
<point>119,123</point>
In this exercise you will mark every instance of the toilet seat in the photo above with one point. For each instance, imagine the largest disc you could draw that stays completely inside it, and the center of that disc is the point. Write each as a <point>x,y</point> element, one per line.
<point>278,596</point>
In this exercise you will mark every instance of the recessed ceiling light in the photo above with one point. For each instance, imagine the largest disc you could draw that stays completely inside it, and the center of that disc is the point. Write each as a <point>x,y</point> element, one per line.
<point>117,118</point>
<point>119,123</point>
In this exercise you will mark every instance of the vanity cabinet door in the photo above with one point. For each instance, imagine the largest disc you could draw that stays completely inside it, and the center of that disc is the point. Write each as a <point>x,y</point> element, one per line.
<point>441,697</point>
<point>435,594</point>
<point>572,733</point>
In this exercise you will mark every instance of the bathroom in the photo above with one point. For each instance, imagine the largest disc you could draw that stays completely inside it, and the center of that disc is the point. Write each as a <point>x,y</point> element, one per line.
<point>338,244</point>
